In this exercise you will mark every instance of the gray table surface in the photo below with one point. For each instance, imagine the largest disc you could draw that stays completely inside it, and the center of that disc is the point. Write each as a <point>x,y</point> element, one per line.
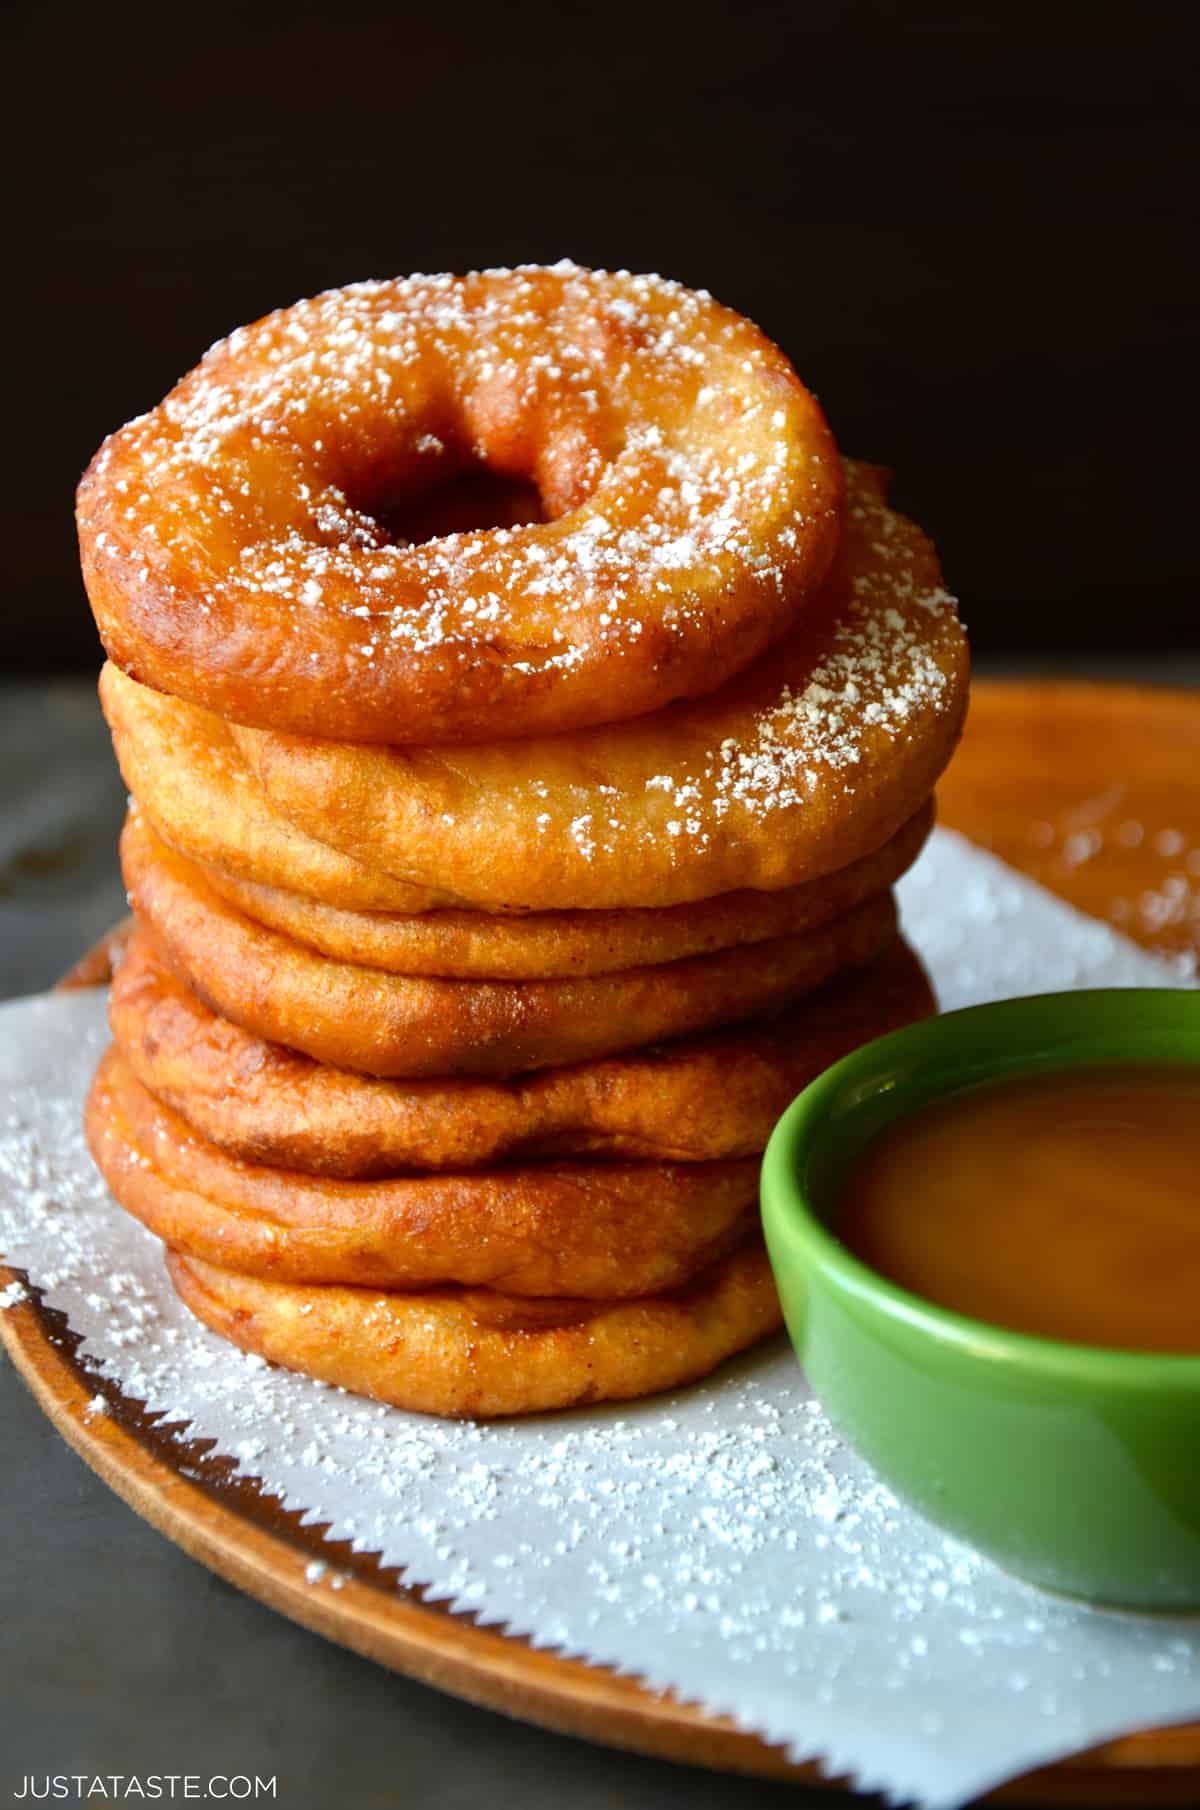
<point>117,1653</point>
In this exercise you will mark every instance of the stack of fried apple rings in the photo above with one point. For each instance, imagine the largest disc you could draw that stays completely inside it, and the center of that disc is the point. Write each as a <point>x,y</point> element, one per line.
<point>526,714</point>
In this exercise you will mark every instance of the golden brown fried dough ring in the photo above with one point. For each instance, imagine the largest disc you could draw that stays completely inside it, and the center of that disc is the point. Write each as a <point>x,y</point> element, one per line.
<point>234,553</point>
<point>552,945</point>
<point>700,1100</point>
<point>388,1024</point>
<point>191,781</point>
<point>805,763</point>
<point>465,1352</point>
<point>601,1231</point>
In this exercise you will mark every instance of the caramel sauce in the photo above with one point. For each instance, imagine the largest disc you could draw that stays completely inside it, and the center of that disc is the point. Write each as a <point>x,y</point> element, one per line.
<point>1064,1204</point>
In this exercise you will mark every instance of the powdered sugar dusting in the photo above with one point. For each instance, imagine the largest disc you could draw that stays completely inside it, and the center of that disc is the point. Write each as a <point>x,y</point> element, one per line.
<point>890,669</point>
<point>721,1541</point>
<point>880,673</point>
<point>765,782</point>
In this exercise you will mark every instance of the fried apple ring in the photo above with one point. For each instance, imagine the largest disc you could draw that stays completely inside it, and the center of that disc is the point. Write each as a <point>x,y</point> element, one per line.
<point>600,1231</point>
<point>468,1353</point>
<point>800,766</point>
<point>700,1100</point>
<point>476,945</point>
<point>391,1024</point>
<point>234,540</point>
<point>192,783</point>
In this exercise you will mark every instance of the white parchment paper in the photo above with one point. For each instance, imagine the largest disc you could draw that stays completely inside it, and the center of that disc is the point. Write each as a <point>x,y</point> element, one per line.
<point>721,1541</point>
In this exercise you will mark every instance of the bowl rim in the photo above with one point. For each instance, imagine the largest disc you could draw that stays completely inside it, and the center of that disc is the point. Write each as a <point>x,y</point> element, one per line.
<point>787,1210</point>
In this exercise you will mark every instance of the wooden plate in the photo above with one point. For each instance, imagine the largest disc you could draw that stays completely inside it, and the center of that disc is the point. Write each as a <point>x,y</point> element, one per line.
<point>1090,789</point>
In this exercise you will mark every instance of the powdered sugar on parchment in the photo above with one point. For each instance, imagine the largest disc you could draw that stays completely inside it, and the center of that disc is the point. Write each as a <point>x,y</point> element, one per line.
<point>721,1541</point>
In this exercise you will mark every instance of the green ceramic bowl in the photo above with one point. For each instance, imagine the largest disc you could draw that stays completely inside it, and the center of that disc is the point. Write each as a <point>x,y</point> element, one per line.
<point>1075,1467</point>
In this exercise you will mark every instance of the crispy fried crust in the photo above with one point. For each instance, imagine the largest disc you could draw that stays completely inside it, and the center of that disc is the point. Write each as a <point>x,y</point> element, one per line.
<point>468,1353</point>
<point>703,1099</point>
<point>594,1230</point>
<point>475,945</point>
<point>191,781</point>
<point>200,797</point>
<point>234,546</point>
<point>387,1024</point>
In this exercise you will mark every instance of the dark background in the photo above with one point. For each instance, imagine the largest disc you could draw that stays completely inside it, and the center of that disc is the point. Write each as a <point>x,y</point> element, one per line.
<point>971,228</point>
